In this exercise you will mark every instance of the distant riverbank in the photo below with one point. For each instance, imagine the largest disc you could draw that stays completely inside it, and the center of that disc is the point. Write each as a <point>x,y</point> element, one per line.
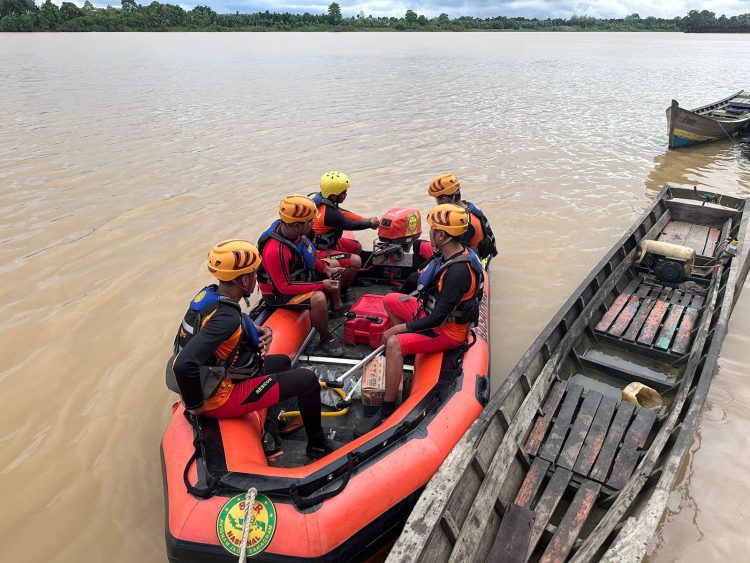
<point>26,16</point>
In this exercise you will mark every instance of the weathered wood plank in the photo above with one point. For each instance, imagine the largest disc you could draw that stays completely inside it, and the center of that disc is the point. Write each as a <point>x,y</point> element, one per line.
<point>584,418</point>
<point>640,318</point>
<point>547,504</point>
<point>697,238</point>
<point>540,425</point>
<point>669,327</point>
<point>686,298</point>
<point>697,301</point>
<point>612,312</point>
<point>675,232</point>
<point>567,532</point>
<point>609,448</point>
<point>512,541</point>
<point>554,441</point>
<point>532,482</point>
<point>595,438</point>
<point>624,318</point>
<point>713,239</point>
<point>651,326</point>
<point>682,340</point>
<point>628,456</point>
<point>643,290</point>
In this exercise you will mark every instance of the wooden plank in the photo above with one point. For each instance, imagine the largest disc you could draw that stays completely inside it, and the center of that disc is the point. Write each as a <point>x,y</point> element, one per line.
<point>697,238</point>
<point>711,242</point>
<point>627,459</point>
<point>675,232</point>
<point>652,322</point>
<point>612,313</point>
<point>547,504</point>
<point>554,442</point>
<point>644,290</point>
<point>640,318</point>
<point>623,368</point>
<point>675,298</point>
<point>697,301</point>
<point>624,318</point>
<point>595,438</point>
<point>512,541</point>
<point>669,327</point>
<point>584,418</point>
<point>532,482</point>
<point>609,448</point>
<point>567,532</point>
<point>686,298</point>
<point>682,340</point>
<point>540,425</point>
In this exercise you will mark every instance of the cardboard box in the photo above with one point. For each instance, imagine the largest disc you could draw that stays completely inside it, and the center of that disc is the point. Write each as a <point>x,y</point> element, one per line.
<point>373,382</point>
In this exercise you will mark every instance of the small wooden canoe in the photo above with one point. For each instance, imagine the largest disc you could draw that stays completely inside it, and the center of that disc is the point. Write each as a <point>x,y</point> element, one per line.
<point>559,466</point>
<point>713,122</point>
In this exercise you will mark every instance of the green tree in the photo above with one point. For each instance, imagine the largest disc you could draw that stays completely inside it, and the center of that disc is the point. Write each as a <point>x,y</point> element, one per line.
<point>334,13</point>
<point>49,16</point>
<point>17,7</point>
<point>69,11</point>
<point>410,17</point>
<point>129,5</point>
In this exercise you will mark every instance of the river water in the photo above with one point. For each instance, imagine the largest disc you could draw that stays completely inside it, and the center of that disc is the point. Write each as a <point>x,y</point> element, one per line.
<point>126,156</point>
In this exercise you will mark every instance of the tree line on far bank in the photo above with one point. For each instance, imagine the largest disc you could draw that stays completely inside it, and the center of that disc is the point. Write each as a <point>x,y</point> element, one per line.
<point>25,15</point>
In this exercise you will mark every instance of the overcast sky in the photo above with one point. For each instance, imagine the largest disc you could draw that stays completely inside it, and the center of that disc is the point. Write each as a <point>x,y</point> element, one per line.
<point>482,8</point>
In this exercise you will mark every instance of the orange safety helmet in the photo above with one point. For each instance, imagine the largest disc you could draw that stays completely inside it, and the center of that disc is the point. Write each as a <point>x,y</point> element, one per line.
<point>448,217</point>
<point>233,258</point>
<point>297,209</point>
<point>445,184</point>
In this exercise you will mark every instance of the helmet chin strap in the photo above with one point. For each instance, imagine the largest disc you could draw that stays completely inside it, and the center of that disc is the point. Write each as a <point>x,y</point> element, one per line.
<point>245,293</point>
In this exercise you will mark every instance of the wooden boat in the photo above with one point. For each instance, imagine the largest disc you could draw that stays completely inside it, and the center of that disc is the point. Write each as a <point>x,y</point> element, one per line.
<point>713,122</point>
<point>343,506</point>
<point>559,467</point>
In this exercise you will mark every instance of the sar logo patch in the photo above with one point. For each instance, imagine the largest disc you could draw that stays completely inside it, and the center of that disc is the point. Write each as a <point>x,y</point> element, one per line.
<point>412,226</point>
<point>231,521</point>
<point>198,298</point>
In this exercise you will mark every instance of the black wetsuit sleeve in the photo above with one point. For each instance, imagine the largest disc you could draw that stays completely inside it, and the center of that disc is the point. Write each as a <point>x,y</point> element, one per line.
<point>456,282</point>
<point>337,220</point>
<point>199,351</point>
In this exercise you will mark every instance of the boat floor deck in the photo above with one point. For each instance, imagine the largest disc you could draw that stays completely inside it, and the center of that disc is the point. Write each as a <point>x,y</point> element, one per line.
<point>339,429</point>
<point>583,445</point>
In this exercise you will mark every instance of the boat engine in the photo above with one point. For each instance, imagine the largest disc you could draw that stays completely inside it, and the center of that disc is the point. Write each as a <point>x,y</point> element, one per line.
<point>670,263</point>
<point>398,230</point>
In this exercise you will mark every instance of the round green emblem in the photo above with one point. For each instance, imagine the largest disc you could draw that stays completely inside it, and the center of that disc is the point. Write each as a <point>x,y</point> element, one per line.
<point>231,520</point>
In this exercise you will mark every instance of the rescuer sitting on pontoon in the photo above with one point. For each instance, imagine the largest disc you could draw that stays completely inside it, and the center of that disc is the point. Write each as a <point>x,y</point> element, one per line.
<point>332,221</point>
<point>450,291</point>
<point>447,189</point>
<point>219,364</point>
<point>293,276</point>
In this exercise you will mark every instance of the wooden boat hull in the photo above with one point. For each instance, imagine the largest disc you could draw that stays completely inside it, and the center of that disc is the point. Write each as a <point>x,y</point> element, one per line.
<point>690,127</point>
<point>558,467</point>
<point>334,509</point>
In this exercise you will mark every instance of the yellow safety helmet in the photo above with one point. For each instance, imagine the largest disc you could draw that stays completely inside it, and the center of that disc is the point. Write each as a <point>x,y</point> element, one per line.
<point>445,184</point>
<point>233,258</point>
<point>448,217</point>
<point>334,183</point>
<point>297,209</point>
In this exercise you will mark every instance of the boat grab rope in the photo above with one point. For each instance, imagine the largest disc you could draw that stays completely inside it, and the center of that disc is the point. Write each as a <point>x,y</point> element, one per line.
<point>725,132</point>
<point>249,520</point>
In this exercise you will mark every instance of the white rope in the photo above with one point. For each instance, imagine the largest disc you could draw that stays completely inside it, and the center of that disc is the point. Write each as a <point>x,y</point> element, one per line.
<point>249,520</point>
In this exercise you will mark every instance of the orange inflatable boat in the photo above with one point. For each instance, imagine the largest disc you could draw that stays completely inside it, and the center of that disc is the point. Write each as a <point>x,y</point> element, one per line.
<point>350,503</point>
